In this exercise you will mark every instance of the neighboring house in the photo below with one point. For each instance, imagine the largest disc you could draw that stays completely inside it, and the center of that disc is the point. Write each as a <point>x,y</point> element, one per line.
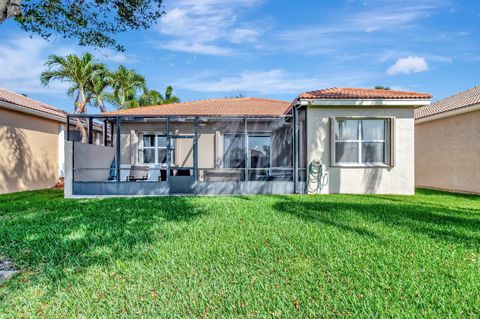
<point>447,137</point>
<point>363,137</point>
<point>31,143</point>
<point>97,129</point>
<point>32,137</point>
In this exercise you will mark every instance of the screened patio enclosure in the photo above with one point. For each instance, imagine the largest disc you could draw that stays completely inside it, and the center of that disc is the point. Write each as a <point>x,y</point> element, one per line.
<point>153,155</point>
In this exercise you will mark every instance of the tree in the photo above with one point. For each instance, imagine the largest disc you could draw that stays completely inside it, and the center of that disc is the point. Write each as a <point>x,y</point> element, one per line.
<point>98,86</point>
<point>92,23</point>
<point>153,97</point>
<point>235,96</point>
<point>9,8</point>
<point>125,84</point>
<point>381,87</point>
<point>150,97</point>
<point>86,76</point>
<point>169,97</point>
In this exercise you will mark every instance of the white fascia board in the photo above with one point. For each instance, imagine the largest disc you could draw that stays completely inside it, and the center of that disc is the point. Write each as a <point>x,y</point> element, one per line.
<point>23,109</point>
<point>445,114</point>
<point>365,102</point>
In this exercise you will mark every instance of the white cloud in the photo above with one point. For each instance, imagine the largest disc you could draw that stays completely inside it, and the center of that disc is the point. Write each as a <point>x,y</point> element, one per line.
<point>22,60</point>
<point>366,25</point>
<point>276,81</point>
<point>389,18</point>
<point>21,63</point>
<point>206,26</point>
<point>382,15</point>
<point>244,35</point>
<point>411,64</point>
<point>199,48</point>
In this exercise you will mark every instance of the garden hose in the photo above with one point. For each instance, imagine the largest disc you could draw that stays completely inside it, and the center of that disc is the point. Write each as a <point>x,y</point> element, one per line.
<point>317,179</point>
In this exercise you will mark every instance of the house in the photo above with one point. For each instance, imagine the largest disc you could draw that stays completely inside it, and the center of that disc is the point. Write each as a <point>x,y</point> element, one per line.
<point>97,132</point>
<point>31,143</point>
<point>447,137</point>
<point>327,141</point>
<point>32,137</point>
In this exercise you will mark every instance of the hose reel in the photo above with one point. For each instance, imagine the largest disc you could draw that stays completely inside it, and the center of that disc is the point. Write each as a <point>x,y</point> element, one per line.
<point>317,178</point>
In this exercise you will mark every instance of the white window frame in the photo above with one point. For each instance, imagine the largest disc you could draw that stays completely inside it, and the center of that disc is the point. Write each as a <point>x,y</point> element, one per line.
<point>156,147</point>
<point>389,145</point>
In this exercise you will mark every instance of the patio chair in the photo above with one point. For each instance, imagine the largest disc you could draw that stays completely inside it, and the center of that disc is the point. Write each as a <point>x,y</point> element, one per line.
<point>138,173</point>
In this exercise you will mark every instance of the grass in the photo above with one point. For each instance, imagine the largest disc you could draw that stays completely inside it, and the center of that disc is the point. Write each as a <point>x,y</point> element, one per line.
<point>245,256</point>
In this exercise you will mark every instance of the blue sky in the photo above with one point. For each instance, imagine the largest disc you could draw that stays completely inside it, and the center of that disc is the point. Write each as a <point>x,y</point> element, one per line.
<point>276,48</point>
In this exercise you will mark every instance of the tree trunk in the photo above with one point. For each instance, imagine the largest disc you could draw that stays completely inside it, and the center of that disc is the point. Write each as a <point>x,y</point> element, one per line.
<point>83,130</point>
<point>9,8</point>
<point>101,105</point>
<point>81,109</point>
<point>122,102</point>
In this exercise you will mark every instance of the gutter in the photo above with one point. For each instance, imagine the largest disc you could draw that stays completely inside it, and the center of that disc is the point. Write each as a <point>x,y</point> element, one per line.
<point>445,114</point>
<point>26,110</point>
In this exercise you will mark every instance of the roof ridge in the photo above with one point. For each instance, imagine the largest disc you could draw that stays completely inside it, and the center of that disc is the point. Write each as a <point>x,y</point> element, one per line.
<point>231,98</point>
<point>456,94</point>
<point>214,100</point>
<point>362,93</point>
<point>353,88</point>
<point>465,98</point>
<point>222,106</point>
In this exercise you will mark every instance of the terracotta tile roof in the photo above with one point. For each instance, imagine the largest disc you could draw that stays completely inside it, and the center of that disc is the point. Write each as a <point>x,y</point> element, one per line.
<point>28,103</point>
<point>215,107</point>
<point>457,101</point>
<point>358,93</point>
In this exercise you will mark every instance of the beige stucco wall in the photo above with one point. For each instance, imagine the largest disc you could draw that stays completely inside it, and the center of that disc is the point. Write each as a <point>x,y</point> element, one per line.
<point>28,151</point>
<point>448,153</point>
<point>352,180</point>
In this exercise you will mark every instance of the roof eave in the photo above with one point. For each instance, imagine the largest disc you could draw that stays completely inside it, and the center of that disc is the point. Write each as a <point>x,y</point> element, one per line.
<point>23,109</point>
<point>448,113</point>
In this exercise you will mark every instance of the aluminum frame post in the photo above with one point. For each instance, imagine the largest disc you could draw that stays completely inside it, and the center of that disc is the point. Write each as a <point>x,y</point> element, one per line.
<point>118,159</point>
<point>195,150</point>
<point>169,146</point>
<point>90,130</point>
<point>245,146</point>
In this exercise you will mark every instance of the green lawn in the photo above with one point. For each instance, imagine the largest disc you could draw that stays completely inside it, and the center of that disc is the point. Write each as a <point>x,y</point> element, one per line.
<point>245,256</point>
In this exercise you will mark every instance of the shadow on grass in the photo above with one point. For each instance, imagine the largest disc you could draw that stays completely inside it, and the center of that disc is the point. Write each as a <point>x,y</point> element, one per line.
<point>453,225</point>
<point>40,231</point>
<point>426,191</point>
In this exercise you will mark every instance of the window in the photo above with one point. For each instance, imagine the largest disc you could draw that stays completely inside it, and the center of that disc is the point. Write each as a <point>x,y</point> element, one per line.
<point>258,150</point>
<point>361,141</point>
<point>233,154</point>
<point>153,149</point>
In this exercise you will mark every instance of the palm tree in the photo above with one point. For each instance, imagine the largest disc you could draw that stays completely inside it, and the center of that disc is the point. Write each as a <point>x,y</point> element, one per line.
<point>98,86</point>
<point>125,84</point>
<point>150,97</point>
<point>169,98</point>
<point>381,87</point>
<point>153,97</point>
<point>86,76</point>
